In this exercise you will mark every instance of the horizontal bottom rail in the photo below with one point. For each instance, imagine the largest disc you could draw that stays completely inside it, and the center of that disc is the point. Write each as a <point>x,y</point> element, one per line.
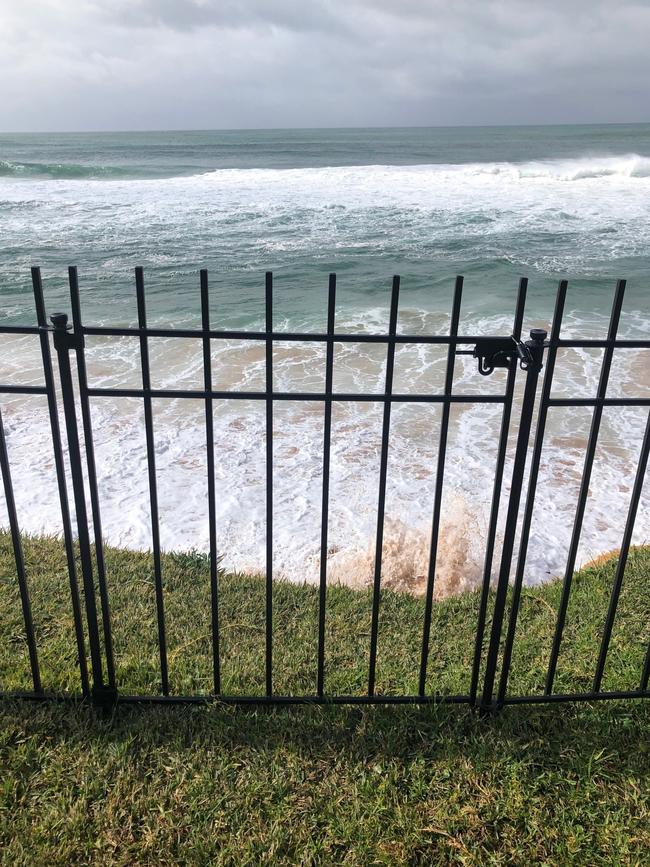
<point>576,696</point>
<point>332,699</point>
<point>249,699</point>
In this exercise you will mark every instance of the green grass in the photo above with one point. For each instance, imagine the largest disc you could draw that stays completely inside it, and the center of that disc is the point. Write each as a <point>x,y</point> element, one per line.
<point>319,785</point>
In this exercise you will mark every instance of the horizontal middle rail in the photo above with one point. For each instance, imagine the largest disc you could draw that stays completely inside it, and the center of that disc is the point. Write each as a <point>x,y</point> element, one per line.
<point>197,394</point>
<point>297,395</point>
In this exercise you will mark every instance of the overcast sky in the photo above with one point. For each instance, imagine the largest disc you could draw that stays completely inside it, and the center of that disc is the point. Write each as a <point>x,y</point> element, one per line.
<point>203,64</point>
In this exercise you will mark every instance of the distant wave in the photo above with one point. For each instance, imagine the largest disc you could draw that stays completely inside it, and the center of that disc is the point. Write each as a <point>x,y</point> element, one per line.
<point>573,169</point>
<point>626,166</point>
<point>62,170</point>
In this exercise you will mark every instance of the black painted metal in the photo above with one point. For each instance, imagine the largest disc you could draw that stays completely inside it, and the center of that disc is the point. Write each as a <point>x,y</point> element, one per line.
<point>622,559</point>
<point>64,341</point>
<point>645,675</point>
<point>334,700</point>
<point>92,473</point>
<point>327,437</point>
<point>268,653</point>
<point>509,352</point>
<point>584,485</point>
<point>212,507</point>
<point>22,389</point>
<point>340,397</point>
<point>342,337</point>
<point>381,506</point>
<point>532,487</point>
<point>290,336</point>
<point>490,352</point>
<point>48,373</point>
<point>151,466</point>
<point>536,347</point>
<point>440,474</point>
<point>20,560</point>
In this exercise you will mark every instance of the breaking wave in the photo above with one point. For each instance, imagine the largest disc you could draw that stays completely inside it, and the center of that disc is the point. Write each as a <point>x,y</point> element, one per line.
<point>574,169</point>
<point>63,171</point>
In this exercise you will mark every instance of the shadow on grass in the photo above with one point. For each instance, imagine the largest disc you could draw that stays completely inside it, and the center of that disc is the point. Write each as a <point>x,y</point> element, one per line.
<point>324,785</point>
<point>549,736</point>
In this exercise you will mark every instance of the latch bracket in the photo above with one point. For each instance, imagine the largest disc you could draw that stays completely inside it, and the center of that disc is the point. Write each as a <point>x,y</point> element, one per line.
<point>493,352</point>
<point>62,332</point>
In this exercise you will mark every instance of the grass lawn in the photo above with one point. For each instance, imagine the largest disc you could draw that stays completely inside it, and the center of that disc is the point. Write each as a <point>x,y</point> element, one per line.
<point>319,785</point>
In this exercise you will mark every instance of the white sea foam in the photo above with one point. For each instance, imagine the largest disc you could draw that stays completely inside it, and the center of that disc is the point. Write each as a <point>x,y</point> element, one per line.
<point>549,216</point>
<point>356,433</point>
<point>573,169</point>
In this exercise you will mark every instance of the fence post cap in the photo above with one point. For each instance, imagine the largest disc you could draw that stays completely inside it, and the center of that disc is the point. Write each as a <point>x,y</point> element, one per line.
<point>539,335</point>
<point>59,320</point>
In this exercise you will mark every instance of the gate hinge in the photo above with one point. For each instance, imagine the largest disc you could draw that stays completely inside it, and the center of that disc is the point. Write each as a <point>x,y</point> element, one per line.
<point>494,352</point>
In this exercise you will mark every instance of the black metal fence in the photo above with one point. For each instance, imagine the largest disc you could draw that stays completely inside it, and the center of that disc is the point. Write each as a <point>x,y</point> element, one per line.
<point>492,652</point>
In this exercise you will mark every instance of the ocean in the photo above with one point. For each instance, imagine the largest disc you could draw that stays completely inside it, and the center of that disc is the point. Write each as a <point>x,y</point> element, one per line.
<point>492,204</point>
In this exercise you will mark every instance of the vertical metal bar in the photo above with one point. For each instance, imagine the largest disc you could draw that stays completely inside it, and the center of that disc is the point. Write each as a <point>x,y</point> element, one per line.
<point>645,674</point>
<point>383,468</point>
<point>48,373</point>
<point>496,493</point>
<point>532,486</point>
<point>62,346</point>
<point>151,466</point>
<point>92,472</point>
<point>536,347</point>
<point>327,435</point>
<point>212,508</point>
<point>20,560</point>
<point>622,560</point>
<point>269,484</point>
<point>584,485</point>
<point>440,470</point>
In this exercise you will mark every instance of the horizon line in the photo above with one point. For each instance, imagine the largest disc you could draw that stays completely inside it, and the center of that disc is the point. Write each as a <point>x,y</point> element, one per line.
<point>317,128</point>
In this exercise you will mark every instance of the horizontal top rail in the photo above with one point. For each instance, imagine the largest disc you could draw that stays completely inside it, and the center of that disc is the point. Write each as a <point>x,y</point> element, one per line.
<point>339,336</point>
<point>290,336</point>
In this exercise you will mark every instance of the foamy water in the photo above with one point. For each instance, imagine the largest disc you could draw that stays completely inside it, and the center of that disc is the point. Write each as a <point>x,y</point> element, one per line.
<point>356,431</point>
<point>578,214</point>
<point>588,207</point>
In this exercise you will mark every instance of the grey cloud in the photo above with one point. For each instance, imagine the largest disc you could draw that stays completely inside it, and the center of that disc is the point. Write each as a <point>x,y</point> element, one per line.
<point>245,63</point>
<point>183,15</point>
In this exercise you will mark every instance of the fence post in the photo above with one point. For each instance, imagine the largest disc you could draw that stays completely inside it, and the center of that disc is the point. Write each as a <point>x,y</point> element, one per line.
<point>532,363</point>
<point>102,695</point>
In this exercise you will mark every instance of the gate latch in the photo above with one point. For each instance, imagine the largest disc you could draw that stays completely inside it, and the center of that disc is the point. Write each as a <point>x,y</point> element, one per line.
<point>494,352</point>
<point>62,331</point>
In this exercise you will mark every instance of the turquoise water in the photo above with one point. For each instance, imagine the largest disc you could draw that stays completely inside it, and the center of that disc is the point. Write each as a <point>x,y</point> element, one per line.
<point>492,203</point>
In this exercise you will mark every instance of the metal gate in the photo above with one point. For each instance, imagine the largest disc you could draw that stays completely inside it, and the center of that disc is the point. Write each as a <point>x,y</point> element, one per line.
<point>495,636</point>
